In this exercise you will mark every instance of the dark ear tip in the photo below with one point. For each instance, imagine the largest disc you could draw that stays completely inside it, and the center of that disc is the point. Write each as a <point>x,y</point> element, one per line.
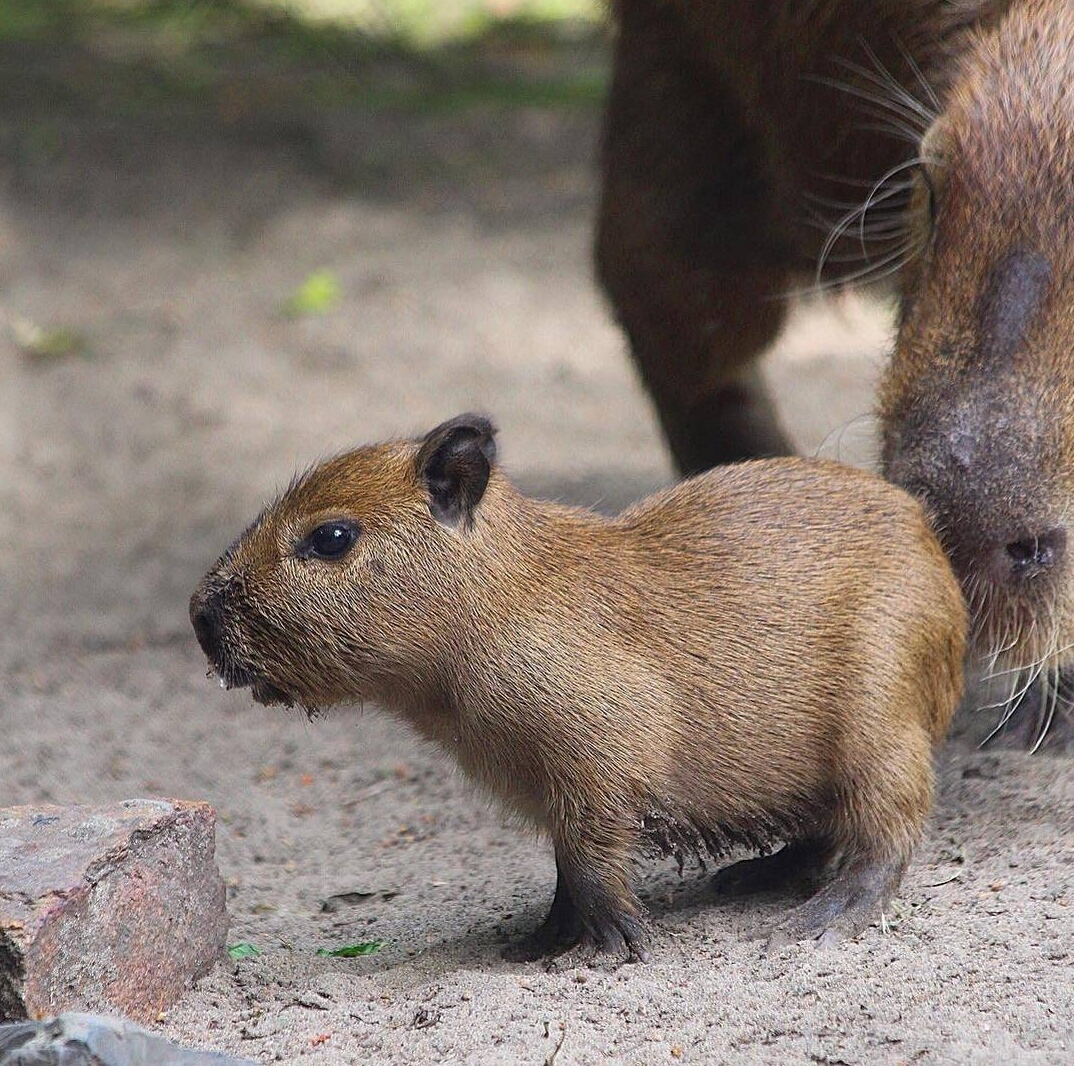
<point>465,425</point>
<point>481,425</point>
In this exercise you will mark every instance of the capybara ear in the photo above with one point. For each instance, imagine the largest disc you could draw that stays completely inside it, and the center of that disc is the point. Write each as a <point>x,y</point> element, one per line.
<point>454,463</point>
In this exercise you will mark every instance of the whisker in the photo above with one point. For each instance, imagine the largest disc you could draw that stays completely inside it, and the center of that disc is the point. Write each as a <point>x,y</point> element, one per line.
<point>841,430</point>
<point>1030,671</point>
<point>875,199</point>
<point>859,213</point>
<point>1011,705</point>
<point>1044,671</point>
<point>1049,714</point>
<point>1049,699</point>
<point>895,92</point>
<point>876,271</point>
<point>1004,718</point>
<point>919,75</point>
<point>993,658</point>
<point>902,131</point>
<point>881,106</point>
<point>1019,668</point>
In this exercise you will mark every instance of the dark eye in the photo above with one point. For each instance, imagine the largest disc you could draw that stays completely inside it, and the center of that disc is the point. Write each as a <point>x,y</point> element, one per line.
<point>332,540</point>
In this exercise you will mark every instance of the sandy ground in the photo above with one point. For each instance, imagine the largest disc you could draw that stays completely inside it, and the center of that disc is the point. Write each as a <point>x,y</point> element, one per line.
<point>169,243</point>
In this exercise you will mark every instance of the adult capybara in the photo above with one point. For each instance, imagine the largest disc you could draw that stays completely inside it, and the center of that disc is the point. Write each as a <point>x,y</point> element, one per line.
<point>749,141</point>
<point>768,652</point>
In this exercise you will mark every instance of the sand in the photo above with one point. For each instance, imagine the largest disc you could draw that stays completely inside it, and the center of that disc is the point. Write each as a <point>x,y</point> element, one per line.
<point>169,244</point>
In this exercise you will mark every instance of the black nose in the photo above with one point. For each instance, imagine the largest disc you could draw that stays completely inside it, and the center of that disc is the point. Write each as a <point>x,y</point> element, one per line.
<point>1029,557</point>
<point>206,615</point>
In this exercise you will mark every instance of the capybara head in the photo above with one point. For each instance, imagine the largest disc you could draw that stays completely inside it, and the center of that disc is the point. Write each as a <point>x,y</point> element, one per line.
<point>343,588</point>
<point>977,406</point>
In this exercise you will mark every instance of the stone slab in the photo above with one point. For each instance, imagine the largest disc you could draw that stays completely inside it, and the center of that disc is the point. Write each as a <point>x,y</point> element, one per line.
<point>93,1040</point>
<point>114,908</point>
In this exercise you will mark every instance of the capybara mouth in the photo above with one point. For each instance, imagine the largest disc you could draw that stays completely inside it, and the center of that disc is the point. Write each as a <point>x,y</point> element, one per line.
<point>1011,563</point>
<point>267,694</point>
<point>232,675</point>
<point>1035,707</point>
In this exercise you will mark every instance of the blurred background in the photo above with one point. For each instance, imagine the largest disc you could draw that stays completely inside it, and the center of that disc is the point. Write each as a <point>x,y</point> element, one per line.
<point>239,235</point>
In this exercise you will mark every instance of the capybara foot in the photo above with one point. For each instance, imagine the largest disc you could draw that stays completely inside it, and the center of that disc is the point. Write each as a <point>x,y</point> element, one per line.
<point>846,905</point>
<point>605,951</point>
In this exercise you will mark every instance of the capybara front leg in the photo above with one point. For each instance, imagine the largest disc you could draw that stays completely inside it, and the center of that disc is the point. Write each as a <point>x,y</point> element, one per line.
<point>690,244</point>
<point>604,906</point>
<point>561,929</point>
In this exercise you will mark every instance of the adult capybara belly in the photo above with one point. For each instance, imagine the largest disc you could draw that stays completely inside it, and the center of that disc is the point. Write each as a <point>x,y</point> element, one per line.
<point>751,142</point>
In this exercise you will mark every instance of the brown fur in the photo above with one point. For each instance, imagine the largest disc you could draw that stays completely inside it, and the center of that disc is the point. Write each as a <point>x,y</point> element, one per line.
<point>739,131</point>
<point>767,652</point>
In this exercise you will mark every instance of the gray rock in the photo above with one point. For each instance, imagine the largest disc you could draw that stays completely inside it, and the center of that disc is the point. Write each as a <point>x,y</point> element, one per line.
<point>94,1040</point>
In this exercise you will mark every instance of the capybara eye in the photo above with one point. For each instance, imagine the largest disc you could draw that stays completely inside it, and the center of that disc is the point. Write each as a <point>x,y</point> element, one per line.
<point>332,540</point>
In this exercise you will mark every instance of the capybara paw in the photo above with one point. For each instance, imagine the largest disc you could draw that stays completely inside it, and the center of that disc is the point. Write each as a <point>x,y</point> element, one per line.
<point>850,902</point>
<point>588,953</point>
<point>607,948</point>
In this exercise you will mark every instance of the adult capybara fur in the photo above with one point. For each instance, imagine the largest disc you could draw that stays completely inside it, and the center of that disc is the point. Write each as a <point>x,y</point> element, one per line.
<point>765,653</point>
<point>749,141</point>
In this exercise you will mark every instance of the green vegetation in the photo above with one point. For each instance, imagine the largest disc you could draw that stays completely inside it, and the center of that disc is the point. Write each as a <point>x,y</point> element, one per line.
<point>416,55</point>
<point>353,951</point>
<point>414,24</point>
<point>427,23</point>
<point>243,950</point>
<point>318,294</point>
<point>41,344</point>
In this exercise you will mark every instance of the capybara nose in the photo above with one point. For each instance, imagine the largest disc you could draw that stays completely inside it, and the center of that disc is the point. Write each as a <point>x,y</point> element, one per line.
<point>1030,557</point>
<point>205,616</point>
<point>989,490</point>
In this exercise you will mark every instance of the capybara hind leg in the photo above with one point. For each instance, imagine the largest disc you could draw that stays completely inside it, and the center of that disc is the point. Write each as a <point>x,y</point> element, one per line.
<point>798,868</point>
<point>691,243</point>
<point>846,905</point>
<point>874,822</point>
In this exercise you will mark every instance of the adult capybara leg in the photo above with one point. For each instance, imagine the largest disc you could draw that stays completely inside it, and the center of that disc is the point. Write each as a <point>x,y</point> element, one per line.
<point>687,243</point>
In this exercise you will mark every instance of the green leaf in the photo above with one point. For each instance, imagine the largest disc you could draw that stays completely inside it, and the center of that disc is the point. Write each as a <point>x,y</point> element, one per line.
<point>353,951</point>
<point>38,342</point>
<point>316,295</point>
<point>242,950</point>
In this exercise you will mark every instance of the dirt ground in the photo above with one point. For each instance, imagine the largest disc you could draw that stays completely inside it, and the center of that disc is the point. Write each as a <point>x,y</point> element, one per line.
<point>166,240</point>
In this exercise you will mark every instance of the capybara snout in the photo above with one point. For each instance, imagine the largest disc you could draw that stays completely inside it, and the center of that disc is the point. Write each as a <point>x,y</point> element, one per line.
<point>977,405</point>
<point>997,492</point>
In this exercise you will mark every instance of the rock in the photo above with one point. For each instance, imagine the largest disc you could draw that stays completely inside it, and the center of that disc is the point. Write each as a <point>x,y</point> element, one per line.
<point>110,908</point>
<point>93,1040</point>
